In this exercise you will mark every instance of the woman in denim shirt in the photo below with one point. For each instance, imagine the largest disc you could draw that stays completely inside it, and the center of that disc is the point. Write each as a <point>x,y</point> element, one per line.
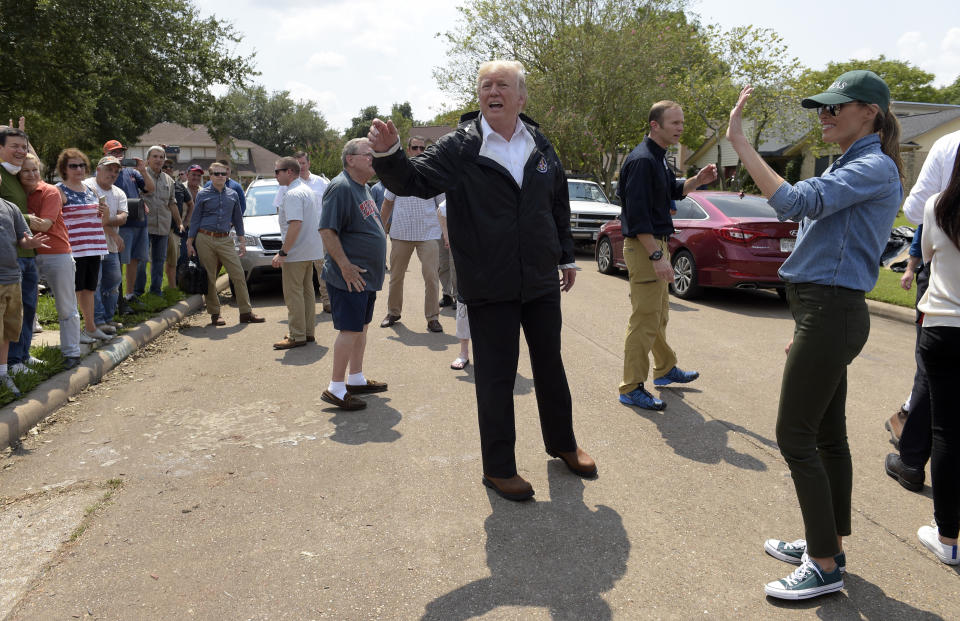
<point>845,220</point>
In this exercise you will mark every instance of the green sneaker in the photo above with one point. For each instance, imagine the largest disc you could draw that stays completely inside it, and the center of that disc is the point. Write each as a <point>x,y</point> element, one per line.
<point>809,580</point>
<point>795,552</point>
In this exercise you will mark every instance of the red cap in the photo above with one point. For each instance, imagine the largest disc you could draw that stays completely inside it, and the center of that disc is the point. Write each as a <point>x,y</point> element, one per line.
<point>195,167</point>
<point>110,145</point>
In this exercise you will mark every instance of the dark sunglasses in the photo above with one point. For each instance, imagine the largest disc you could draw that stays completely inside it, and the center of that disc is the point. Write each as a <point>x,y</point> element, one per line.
<point>77,166</point>
<point>833,109</point>
<point>415,148</point>
<point>218,173</point>
<point>277,171</point>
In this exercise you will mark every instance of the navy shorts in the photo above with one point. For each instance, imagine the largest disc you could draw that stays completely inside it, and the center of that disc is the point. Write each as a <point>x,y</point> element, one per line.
<point>87,274</point>
<point>351,309</point>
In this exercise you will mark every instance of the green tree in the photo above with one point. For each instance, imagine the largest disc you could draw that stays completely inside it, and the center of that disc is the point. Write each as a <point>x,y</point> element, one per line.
<point>594,67</point>
<point>360,125</point>
<point>951,94</point>
<point>85,71</point>
<point>402,117</point>
<point>906,82</point>
<point>273,121</point>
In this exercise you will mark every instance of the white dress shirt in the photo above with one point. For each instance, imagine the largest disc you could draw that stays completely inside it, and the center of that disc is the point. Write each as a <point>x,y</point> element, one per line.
<point>934,176</point>
<point>512,154</point>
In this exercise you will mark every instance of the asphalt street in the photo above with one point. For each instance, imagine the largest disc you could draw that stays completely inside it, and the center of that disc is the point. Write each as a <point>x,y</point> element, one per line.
<point>204,478</point>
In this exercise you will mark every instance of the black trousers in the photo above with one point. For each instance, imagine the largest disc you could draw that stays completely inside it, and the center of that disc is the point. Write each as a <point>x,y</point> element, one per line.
<point>917,434</point>
<point>940,349</point>
<point>495,331</point>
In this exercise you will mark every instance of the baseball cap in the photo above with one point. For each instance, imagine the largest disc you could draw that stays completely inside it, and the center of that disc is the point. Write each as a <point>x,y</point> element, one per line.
<point>857,85</point>
<point>195,167</point>
<point>110,145</point>
<point>107,160</point>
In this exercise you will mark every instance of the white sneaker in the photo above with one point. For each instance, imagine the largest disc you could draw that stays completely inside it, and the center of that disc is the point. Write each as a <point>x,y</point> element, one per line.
<point>33,362</point>
<point>86,339</point>
<point>115,324</point>
<point>106,328</point>
<point>7,382</point>
<point>930,537</point>
<point>100,334</point>
<point>18,368</point>
<point>36,325</point>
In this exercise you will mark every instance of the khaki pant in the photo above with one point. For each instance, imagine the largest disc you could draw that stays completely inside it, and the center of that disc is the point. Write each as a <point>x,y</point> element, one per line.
<point>212,252</point>
<point>173,253</point>
<point>324,296</point>
<point>448,275</point>
<point>429,255</point>
<point>647,329</point>
<point>300,299</point>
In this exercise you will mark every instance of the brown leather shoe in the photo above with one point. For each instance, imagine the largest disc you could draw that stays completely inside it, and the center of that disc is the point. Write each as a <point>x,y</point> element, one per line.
<point>311,339</point>
<point>216,321</point>
<point>577,461</point>
<point>349,402</point>
<point>434,326</point>
<point>514,488</point>
<point>895,426</point>
<point>250,318</point>
<point>389,320</point>
<point>363,389</point>
<point>327,308</point>
<point>288,343</point>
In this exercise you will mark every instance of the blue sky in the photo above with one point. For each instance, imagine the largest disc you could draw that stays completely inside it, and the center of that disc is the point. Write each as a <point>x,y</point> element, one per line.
<point>348,54</point>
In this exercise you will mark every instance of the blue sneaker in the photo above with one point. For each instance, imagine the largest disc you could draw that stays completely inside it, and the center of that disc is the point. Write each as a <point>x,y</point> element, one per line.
<point>809,580</point>
<point>676,376</point>
<point>642,399</point>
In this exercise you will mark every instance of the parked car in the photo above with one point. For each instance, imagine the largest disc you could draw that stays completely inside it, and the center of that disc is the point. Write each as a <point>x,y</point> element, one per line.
<point>589,210</point>
<point>720,239</point>
<point>261,230</point>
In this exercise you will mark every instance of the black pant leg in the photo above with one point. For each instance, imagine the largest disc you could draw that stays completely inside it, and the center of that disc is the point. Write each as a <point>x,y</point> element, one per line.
<point>542,320</point>
<point>917,434</point>
<point>495,332</point>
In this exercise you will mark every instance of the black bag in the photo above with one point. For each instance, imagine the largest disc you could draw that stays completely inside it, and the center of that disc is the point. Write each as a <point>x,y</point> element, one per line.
<point>191,277</point>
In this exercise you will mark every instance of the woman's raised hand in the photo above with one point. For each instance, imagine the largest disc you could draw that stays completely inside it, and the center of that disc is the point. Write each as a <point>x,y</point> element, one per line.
<point>735,127</point>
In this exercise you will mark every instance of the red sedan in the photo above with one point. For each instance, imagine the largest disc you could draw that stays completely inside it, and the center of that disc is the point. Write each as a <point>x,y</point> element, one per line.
<point>719,240</point>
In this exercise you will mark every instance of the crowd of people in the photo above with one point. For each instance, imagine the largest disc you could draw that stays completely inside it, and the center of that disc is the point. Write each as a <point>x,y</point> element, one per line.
<point>487,211</point>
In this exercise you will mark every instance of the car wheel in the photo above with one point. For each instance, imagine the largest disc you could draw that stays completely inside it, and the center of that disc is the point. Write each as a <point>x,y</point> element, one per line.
<point>605,257</point>
<point>685,276</point>
<point>782,293</point>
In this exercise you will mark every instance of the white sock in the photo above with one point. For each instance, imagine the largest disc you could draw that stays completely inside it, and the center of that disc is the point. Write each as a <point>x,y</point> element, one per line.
<point>357,379</point>
<point>338,389</point>
<point>128,297</point>
<point>3,369</point>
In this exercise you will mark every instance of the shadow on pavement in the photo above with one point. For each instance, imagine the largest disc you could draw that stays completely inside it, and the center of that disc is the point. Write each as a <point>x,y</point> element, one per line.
<point>434,341</point>
<point>521,386</point>
<point>303,356</point>
<point>690,435</point>
<point>375,423</point>
<point>861,600</point>
<point>559,554</point>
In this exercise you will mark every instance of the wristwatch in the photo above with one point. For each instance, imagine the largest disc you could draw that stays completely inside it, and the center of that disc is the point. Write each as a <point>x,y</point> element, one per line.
<point>282,253</point>
<point>656,256</point>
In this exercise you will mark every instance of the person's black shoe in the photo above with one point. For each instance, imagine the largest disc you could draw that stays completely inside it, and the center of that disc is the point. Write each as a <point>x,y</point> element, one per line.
<point>446,300</point>
<point>909,477</point>
<point>70,361</point>
<point>124,308</point>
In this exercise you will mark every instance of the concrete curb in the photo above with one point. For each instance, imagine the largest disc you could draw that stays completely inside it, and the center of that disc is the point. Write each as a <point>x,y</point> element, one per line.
<point>892,311</point>
<point>20,416</point>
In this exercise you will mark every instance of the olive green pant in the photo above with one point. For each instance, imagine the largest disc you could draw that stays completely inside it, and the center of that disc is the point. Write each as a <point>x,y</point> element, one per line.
<point>650,311</point>
<point>831,327</point>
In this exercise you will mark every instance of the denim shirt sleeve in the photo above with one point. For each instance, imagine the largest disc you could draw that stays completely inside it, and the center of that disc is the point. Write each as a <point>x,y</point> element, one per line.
<point>915,250</point>
<point>820,197</point>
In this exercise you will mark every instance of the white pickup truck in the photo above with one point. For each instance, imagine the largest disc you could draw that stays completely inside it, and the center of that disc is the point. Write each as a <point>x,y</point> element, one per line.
<point>589,210</point>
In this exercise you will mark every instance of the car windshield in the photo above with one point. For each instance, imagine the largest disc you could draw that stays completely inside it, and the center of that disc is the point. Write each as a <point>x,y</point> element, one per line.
<point>746,207</point>
<point>581,191</point>
<point>260,200</point>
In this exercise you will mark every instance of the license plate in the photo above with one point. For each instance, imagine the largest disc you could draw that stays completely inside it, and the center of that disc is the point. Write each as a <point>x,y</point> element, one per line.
<point>787,244</point>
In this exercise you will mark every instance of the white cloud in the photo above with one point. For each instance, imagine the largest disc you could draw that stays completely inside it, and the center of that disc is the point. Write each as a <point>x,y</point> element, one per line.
<point>942,60</point>
<point>326,60</point>
<point>863,53</point>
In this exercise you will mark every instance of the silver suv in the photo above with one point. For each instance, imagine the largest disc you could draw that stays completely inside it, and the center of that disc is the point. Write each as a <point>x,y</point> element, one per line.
<point>589,210</point>
<point>261,230</point>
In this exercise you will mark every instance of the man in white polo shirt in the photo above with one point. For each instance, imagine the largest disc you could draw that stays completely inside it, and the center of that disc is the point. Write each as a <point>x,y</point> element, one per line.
<point>414,225</point>
<point>299,217</point>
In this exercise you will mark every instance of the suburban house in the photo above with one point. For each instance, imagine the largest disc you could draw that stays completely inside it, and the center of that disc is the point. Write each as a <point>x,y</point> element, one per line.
<point>187,146</point>
<point>921,125</point>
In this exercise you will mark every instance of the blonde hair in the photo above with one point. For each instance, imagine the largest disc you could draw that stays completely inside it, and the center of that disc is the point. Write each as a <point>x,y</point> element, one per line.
<point>511,66</point>
<point>36,160</point>
<point>217,165</point>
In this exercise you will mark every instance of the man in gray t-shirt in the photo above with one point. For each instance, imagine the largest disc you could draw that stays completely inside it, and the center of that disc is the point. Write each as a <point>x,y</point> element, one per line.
<point>356,255</point>
<point>13,233</point>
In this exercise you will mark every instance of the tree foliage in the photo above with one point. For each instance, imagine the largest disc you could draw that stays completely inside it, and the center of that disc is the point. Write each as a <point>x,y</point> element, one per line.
<point>85,71</point>
<point>594,67</point>
<point>273,121</point>
<point>360,125</point>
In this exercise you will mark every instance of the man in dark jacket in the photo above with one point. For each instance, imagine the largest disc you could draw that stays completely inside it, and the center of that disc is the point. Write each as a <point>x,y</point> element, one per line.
<point>509,223</point>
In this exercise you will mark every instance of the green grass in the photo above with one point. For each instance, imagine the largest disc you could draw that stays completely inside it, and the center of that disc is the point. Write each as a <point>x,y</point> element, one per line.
<point>888,290</point>
<point>902,221</point>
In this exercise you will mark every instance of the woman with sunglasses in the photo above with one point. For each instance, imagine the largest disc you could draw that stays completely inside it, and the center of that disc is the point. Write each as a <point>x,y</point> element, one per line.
<point>845,219</point>
<point>45,204</point>
<point>83,215</point>
<point>940,351</point>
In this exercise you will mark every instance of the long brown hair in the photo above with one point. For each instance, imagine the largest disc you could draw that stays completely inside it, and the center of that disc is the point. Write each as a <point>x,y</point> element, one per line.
<point>887,125</point>
<point>947,209</point>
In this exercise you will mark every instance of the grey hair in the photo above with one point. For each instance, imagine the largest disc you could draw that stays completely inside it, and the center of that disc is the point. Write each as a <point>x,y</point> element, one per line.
<point>351,148</point>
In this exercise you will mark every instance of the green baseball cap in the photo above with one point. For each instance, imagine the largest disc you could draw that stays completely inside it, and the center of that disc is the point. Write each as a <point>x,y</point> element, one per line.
<point>858,85</point>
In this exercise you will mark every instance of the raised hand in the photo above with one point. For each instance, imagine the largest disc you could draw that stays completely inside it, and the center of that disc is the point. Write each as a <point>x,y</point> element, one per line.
<point>382,135</point>
<point>735,127</point>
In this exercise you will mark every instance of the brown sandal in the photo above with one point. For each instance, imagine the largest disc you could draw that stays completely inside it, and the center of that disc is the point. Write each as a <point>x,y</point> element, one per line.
<point>216,321</point>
